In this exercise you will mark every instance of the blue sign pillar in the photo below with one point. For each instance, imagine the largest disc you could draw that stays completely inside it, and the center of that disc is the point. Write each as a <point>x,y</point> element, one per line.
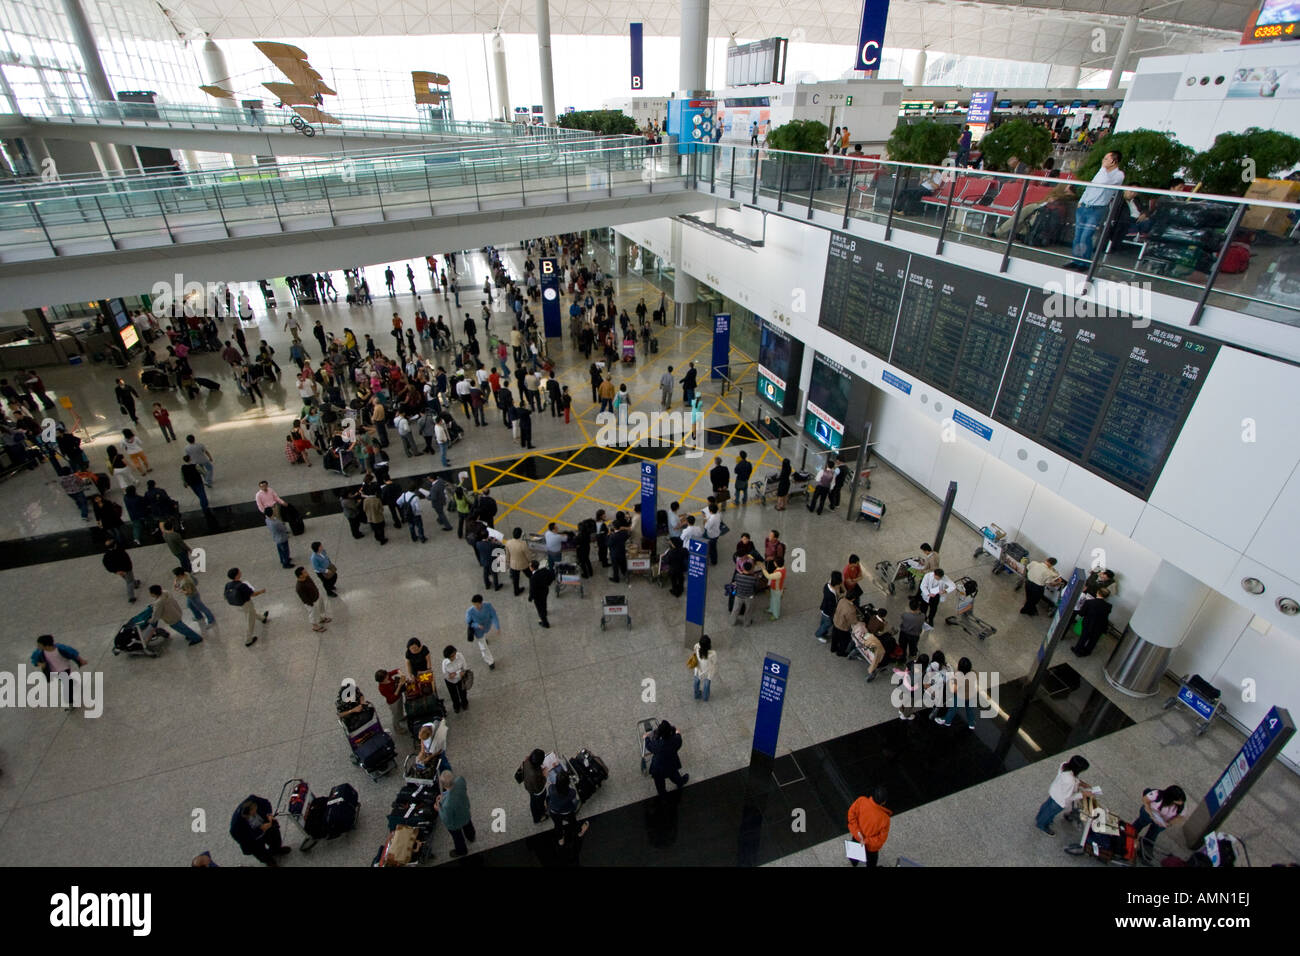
<point>638,70</point>
<point>1259,750</point>
<point>871,34</point>
<point>697,582</point>
<point>721,364</point>
<point>550,283</point>
<point>771,701</point>
<point>649,500</point>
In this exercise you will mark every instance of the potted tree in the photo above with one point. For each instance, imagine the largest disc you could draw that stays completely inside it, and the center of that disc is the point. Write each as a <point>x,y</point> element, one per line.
<point>925,141</point>
<point>1027,141</point>
<point>1149,158</point>
<point>794,173</point>
<point>1235,160</point>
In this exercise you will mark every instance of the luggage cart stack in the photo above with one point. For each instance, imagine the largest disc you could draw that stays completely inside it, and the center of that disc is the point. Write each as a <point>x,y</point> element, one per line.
<point>965,617</point>
<point>991,540</point>
<point>568,578</point>
<point>888,573</point>
<point>1011,560</point>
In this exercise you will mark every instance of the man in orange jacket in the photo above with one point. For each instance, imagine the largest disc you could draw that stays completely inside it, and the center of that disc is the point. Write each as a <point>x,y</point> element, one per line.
<point>869,823</point>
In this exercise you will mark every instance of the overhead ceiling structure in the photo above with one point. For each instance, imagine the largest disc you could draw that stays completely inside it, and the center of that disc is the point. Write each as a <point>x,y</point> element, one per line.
<point>1040,31</point>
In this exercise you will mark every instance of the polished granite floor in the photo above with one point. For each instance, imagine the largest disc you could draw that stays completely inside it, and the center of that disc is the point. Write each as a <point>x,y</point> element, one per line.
<point>184,737</point>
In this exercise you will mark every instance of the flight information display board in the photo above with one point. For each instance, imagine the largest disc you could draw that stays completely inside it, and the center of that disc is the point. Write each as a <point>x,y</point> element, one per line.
<point>864,285</point>
<point>830,392</point>
<point>955,329</point>
<point>1106,393</point>
<point>780,360</point>
<point>1102,392</point>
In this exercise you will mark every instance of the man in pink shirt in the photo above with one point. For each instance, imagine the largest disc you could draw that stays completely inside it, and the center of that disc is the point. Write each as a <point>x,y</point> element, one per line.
<point>266,497</point>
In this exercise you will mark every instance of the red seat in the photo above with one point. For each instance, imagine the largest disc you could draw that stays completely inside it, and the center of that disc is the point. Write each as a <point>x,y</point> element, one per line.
<point>940,198</point>
<point>974,190</point>
<point>1005,201</point>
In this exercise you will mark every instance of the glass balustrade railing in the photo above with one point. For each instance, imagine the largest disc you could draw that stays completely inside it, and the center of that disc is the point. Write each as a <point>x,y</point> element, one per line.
<point>335,162</point>
<point>320,194</point>
<point>1239,254</point>
<point>186,115</point>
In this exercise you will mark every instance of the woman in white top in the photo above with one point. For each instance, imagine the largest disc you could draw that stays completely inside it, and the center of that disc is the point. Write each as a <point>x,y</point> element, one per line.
<point>1065,790</point>
<point>134,451</point>
<point>706,667</point>
<point>433,746</point>
<point>453,674</point>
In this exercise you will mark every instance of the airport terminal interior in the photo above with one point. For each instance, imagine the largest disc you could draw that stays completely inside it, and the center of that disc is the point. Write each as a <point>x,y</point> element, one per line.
<point>895,369</point>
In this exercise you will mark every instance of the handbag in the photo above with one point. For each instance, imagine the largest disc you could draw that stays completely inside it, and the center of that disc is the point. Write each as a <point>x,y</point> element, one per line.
<point>467,682</point>
<point>722,528</point>
<point>692,662</point>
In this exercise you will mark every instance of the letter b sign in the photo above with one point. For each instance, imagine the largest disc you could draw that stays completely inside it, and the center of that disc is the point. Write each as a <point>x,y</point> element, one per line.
<point>547,267</point>
<point>636,82</point>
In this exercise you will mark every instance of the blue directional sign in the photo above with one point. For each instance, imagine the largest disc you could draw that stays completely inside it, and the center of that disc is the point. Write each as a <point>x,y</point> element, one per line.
<point>649,499</point>
<point>697,576</point>
<point>771,702</point>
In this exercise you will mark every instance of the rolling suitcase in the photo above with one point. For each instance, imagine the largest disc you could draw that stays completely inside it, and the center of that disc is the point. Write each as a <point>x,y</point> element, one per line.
<point>341,809</point>
<point>377,754</point>
<point>208,383</point>
<point>354,722</point>
<point>590,771</point>
<point>654,345</point>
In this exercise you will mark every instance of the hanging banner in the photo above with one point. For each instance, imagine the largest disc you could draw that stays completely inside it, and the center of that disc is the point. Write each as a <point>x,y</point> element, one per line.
<point>721,364</point>
<point>649,499</point>
<point>638,58</point>
<point>871,35</point>
<point>550,283</point>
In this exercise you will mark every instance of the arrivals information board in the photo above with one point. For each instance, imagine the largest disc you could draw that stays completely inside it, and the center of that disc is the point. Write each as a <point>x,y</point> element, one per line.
<point>1107,393</point>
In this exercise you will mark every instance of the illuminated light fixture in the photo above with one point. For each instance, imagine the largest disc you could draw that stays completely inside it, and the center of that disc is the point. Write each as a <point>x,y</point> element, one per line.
<point>1288,606</point>
<point>1252,585</point>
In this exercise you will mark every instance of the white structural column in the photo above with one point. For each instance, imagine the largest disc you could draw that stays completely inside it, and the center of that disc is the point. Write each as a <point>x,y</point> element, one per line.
<point>916,76</point>
<point>1169,605</point>
<point>544,59</point>
<point>692,75</point>
<point>620,254</point>
<point>119,157</point>
<point>503,85</point>
<point>1063,78</point>
<point>686,291</point>
<point>216,72</point>
<point>1122,52</point>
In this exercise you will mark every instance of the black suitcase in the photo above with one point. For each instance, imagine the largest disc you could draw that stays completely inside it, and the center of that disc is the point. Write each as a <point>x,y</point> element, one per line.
<point>591,772</point>
<point>208,383</point>
<point>314,818</point>
<point>426,708</point>
<point>292,518</point>
<point>654,345</point>
<point>341,810</point>
<point>377,753</point>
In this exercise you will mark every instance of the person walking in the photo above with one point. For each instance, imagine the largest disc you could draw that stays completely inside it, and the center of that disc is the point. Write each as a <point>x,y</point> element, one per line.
<point>317,604</point>
<point>167,611</point>
<point>280,535</point>
<point>532,777</point>
<point>408,507</point>
<point>1065,791</point>
<point>117,561</point>
<point>964,693</point>
<point>689,382</point>
<point>373,509</point>
<point>126,396</point>
<point>486,550</point>
<point>200,456</point>
<point>720,480</point>
<point>518,559</point>
<point>666,383</point>
<point>481,620</point>
<point>240,593</point>
<point>539,589</point>
<point>164,420</point>
<point>175,543</point>
<point>134,451</point>
<point>443,438</point>
<point>454,671</point>
<point>706,667</point>
<point>325,569</point>
<point>606,392</point>
<point>183,582</point>
<point>664,744</point>
<point>869,819</point>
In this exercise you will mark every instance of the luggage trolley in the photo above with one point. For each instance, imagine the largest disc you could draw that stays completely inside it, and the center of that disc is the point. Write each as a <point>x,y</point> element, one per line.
<point>1108,838</point>
<point>991,538</point>
<point>567,576</point>
<point>312,814</point>
<point>644,727</point>
<point>614,605</point>
<point>1011,560</point>
<point>965,616</point>
<point>799,481</point>
<point>1201,697</point>
<point>295,798</point>
<point>890,572</point>
<point>872,510</point>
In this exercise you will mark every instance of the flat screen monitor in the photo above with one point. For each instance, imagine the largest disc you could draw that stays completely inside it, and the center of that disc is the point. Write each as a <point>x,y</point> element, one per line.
<point>1032,104</point>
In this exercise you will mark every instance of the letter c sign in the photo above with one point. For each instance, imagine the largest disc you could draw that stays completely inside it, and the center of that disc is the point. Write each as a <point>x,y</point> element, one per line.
<point>870,55</point>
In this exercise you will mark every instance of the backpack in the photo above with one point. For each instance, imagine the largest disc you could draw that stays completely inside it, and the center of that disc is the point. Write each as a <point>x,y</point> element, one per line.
<point>236,593</point>
<point>404,507</point>
<point>1045,229</point>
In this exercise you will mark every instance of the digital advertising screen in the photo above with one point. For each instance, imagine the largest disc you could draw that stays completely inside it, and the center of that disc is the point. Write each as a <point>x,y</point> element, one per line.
<point>830,390</point>
<point>1277,19</point>
<point>780,359</point>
